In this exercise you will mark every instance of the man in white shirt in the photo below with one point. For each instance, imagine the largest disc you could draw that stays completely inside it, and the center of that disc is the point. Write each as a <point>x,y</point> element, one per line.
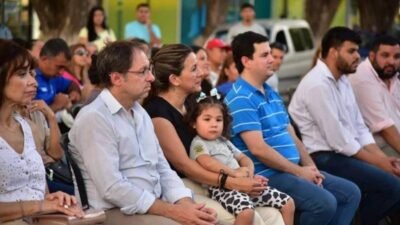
<point>376,86</point>
<point>114,144</point>
<point>334,132</point>
<point>278,51</point>
<point>247,23</point>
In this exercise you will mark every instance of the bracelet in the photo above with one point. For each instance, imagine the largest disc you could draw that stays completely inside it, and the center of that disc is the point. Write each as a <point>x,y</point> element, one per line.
<point>223,179</point>
<point>219,177</point>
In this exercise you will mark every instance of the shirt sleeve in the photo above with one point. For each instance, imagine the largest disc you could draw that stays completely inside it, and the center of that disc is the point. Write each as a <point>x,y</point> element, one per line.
<point>172,186</point>
<point>244,115</point>
<point>364,135</point>
<point>156,31</point>
<point>112,35</point>
<point>372,106</point>
<point>326,117</point>
<point>116,188</point>
<point>236,152</point>
<point>83,32</point>
<point>62,84</point>
<point>198,148</point>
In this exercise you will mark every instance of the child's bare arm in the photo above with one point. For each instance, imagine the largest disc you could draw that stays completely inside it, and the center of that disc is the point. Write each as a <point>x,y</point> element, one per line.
<point>245,161</point>
<point>213,165</point>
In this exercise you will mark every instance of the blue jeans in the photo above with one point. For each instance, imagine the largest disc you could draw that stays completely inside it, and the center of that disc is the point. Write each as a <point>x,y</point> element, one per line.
<point>381,190</point>
<point>335,203</point>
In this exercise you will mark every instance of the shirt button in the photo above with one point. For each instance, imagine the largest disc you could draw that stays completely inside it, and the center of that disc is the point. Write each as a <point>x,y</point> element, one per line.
<point>26,172</point>
<point>22,158</point>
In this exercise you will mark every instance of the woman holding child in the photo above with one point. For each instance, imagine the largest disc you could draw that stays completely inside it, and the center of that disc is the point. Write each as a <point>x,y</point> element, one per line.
<point>177,76</point>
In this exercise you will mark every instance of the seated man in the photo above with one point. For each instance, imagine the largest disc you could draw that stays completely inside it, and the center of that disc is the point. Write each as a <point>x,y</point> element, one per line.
<point>58,92</point>
<point>114,144</point>
<point>261,130</point>
<point>333,131</point>
<point>376,86</point>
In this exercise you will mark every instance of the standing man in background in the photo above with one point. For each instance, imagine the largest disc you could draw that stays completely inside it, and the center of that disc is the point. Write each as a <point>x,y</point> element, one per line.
<point>278,51</point>
<point>246,24</point>
<point>142,27</point>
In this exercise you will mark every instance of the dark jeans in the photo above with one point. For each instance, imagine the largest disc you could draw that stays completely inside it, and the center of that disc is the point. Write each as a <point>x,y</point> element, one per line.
<point>333,204</point>
<point>380,190</point>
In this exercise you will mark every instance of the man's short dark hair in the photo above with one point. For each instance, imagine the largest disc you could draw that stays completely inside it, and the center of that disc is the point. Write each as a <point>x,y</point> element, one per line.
<point>54,47</point>
<point>140,5</point>
<point>246,5</point>
<point>278,45</point>
<point>115,57</point>
<point>335,37</point>
<point>243,45</point>
<point>383,40</point>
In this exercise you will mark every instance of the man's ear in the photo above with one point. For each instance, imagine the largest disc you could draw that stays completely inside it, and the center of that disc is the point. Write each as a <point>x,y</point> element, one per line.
<point>245,61</point>
<point>116,78</point>
<point>371,56</point>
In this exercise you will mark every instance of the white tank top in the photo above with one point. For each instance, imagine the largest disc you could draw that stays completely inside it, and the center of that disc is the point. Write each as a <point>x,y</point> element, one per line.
<point>22,176</point>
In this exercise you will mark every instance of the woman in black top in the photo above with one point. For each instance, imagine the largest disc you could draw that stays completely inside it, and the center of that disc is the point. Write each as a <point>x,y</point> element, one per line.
<point>177,76</point>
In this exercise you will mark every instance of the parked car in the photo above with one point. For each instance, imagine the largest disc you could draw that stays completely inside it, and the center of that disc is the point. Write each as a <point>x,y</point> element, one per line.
<point>297,36</point>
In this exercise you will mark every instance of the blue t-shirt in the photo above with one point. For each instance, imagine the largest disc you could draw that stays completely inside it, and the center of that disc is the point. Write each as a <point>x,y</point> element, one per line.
<point>49,87</point>
<point>253,111</point>
<point>136,29</point>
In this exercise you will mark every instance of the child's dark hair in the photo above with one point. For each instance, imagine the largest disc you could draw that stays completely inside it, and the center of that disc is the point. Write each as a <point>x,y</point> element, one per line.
<point>210,101</point>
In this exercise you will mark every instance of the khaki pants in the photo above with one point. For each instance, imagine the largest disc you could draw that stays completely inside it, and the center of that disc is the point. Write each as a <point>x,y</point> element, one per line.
<point>263,215</point>
<point>116,217</point>
<point>15,222</point>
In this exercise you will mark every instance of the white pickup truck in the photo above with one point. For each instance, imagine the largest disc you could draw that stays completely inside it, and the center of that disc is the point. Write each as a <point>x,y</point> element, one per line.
<point>298,38</point>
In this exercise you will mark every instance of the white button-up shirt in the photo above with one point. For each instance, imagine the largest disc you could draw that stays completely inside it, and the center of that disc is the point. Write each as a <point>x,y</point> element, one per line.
<point>120,158</point>
<point>327,114</point>
<point>379,104</point>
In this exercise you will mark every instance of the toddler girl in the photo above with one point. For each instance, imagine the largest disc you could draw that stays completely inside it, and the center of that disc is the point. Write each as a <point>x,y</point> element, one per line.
<point>213,151</point>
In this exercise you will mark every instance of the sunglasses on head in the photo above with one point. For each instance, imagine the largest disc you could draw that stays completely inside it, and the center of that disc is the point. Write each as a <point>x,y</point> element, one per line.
<point>81,52</point>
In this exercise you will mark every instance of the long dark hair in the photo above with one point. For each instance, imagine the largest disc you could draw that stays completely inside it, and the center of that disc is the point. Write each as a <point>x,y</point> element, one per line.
<point>12,58</point>
<point>92,35</point>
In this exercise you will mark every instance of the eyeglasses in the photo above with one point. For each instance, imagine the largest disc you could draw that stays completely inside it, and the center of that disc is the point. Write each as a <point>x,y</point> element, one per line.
<point>143,73</point>
<point>81,52</point>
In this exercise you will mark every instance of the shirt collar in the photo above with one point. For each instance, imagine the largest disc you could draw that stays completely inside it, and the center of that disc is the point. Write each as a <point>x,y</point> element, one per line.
<point>111,102</point>
<point>326,72</point>
<point>241,82</point>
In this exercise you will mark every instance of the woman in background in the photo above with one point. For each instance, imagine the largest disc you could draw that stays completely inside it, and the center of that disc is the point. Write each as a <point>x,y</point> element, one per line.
<point>96,30</point>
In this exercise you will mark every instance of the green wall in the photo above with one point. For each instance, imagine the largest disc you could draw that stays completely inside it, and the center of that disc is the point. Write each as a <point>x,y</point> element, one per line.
<point>163,13</point>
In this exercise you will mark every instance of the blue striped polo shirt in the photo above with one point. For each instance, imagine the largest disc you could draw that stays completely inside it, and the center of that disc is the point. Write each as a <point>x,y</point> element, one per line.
<point>253,111</point>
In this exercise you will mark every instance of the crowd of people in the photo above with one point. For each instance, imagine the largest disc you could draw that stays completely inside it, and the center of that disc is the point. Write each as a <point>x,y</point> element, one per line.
<point>176,134</point>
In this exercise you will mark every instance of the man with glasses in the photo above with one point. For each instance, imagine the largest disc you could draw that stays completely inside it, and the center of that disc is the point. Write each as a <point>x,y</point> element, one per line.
<point>114,144</point>
<point>58,92</point>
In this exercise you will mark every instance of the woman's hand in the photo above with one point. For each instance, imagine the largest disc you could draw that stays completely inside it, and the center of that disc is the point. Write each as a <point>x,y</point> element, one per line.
<point>40,105</point>
<point>62,202</point>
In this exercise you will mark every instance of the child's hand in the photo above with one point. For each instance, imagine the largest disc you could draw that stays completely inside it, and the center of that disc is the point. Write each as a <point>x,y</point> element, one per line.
<point>241,172</point>
<point>261,179</point>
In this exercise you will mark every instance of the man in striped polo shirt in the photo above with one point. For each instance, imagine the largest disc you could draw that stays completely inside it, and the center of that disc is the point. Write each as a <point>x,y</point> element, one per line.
<point>261,129</point>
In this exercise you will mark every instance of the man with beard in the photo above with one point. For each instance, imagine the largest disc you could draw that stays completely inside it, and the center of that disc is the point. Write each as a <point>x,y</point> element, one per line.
<point>376,86</point>
<point>333,130</point>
